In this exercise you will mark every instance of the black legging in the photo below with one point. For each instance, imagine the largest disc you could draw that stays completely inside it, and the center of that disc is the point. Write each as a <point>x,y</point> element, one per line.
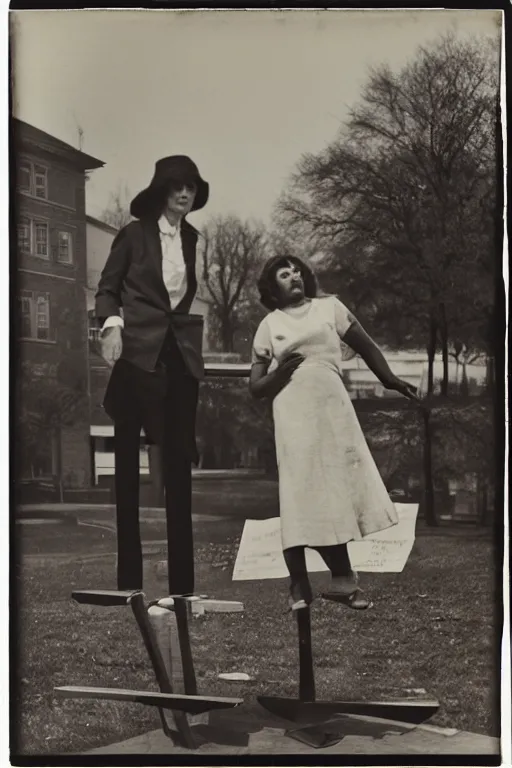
<point>177,477</point>
<point>164,403</point>
<point>335,557</point>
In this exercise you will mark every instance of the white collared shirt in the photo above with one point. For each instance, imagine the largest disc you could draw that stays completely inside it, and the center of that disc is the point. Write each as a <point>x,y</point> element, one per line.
<point>173,267</point>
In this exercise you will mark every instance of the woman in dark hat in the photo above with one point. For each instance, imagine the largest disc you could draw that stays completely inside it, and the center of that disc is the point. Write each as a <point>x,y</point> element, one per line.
<point>330,490</point>
<point>154,346</point>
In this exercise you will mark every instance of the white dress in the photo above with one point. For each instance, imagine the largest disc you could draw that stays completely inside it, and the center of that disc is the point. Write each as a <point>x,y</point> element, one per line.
<point>330,490</point>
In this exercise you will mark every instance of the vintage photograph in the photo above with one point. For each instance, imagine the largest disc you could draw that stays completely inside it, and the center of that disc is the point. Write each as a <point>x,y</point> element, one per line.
<point>258,385</point>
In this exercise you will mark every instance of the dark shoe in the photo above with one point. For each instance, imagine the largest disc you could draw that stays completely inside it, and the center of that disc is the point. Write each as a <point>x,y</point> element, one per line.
<point>356,600</point>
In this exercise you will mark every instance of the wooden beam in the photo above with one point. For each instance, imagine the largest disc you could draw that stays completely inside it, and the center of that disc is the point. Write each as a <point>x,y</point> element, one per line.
<point>105,597</point>
<point>192,705</point>
<point>414,711</point>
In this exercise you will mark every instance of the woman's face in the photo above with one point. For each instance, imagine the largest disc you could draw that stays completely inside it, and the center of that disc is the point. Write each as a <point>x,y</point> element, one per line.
<point>180,199</point>
<point>290,283</point>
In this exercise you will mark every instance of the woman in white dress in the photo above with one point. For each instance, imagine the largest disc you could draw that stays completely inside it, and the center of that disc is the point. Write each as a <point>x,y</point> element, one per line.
<point>330,490</point>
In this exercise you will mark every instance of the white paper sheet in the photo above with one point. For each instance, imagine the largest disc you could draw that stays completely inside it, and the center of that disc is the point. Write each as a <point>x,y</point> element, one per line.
<point>260,555</point>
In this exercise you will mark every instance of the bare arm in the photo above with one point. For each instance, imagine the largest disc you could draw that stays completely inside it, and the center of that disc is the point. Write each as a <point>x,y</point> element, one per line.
<point>362,343</point>
<point>267,385</point>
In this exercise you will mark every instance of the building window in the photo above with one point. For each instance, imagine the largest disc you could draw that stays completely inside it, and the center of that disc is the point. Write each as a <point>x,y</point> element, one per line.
<point>33,179</point>
<point>65,248</point>
<point>25,176</point>
<point>33,238</point>
<point>41,239</point>
<point>35,315</point>
<point>94,327</point>
<point>40,182</point>
<point>24,236</point>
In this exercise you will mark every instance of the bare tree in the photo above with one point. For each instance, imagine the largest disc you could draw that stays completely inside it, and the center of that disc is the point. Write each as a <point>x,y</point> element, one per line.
<point>232,254</point>
<point>411,183</point>
<point>117,211</point>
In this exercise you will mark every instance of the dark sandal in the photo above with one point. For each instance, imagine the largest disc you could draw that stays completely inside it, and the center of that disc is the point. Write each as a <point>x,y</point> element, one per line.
<point>356,600</point>
<point>296,605</point>
<point>296,601</point>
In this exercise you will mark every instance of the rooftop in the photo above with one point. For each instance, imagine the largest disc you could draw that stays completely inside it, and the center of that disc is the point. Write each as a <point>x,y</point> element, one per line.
<point>29,135</point>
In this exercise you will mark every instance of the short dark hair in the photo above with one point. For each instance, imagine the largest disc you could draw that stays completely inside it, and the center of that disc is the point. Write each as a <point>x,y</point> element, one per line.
<point>270,295</point>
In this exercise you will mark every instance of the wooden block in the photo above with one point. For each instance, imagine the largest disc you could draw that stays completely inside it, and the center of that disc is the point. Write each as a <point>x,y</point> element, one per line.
<point>164,621</point>
<point>166,602</point>
<point>105,597</point>
<point>217,606</point>
<point>166,629</point>
<point>165,625</point>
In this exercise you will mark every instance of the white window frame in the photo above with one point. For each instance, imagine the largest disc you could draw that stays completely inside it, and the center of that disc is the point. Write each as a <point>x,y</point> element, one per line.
<point>25,164</point>
<point>69,235</point>
<point>33,223</point>
<point>38,175</point>
<point>40,223</point>
<point>35,300</point>
<point>40,172</point>
<point>25,221</point>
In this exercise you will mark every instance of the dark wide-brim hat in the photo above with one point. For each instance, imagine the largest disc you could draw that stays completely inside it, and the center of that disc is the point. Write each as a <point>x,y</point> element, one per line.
<point>178,169</point>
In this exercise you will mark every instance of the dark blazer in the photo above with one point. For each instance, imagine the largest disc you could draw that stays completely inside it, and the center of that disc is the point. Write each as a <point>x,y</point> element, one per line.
<point>132,279</point>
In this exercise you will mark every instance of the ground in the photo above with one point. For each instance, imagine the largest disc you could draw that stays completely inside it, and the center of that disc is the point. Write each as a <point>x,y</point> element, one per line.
<point>433,626</point>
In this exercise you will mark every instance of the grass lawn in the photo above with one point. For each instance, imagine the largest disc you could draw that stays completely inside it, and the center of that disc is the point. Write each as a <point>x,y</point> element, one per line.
<point>432,627</point>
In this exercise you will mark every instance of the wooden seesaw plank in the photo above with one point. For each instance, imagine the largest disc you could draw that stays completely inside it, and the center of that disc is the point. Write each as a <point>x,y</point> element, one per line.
<point>105,597</point>
<point>402,710</point>
<point>192,705</point>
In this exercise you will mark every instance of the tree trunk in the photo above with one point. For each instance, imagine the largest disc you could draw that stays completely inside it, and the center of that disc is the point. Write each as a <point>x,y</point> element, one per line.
<point>444,347</point>
<point>464,384</point>
<point>58,439</point>
<point>481,499</point>
<point>429,496</point>
<point>431,352</point>
<point>226,333</point>
<point>489,374</point>
<point>428,474</point>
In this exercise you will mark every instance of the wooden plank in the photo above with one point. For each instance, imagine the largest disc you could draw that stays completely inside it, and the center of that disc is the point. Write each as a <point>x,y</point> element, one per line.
<point>401,710</point>
<point>217,606</point>
<point>105,597</point>
<point>200,604</point>
<point>172,701</point>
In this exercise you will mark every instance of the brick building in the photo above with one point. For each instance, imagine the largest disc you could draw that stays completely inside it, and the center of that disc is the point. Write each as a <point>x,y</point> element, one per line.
<point>52,340</point>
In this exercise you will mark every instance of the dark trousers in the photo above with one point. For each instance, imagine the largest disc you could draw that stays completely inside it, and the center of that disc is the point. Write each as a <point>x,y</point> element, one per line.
<point>164,403</point>
<point>178,508</point>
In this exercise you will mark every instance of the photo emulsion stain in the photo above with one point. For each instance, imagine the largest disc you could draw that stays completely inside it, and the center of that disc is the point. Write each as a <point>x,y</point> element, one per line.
<point>259,385</point>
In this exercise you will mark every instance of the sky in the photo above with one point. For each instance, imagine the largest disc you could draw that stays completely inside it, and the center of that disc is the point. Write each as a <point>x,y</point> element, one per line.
<point>244,93</point>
